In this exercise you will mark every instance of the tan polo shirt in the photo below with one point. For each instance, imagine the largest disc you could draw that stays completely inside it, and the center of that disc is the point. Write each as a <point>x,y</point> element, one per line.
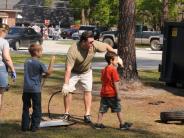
<point>80,59</point>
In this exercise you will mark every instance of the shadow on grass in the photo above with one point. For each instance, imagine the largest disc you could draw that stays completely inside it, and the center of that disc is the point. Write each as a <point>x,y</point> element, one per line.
<point>151,78</point>
<point>12,130</point>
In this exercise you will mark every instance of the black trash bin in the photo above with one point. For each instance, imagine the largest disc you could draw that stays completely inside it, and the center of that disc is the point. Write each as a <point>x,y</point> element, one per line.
<point>172,67</point>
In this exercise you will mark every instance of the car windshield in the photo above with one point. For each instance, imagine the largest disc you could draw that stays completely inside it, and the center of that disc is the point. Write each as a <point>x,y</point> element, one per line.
<point>13,31</point>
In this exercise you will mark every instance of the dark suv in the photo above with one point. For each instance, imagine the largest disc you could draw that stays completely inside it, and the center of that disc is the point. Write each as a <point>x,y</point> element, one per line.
<point>23,37</point>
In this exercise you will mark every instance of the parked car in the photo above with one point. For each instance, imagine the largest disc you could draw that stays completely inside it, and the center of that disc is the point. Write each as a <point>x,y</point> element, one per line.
<point>23,37</point>
<point>67,33</point>
<point>142,36</point>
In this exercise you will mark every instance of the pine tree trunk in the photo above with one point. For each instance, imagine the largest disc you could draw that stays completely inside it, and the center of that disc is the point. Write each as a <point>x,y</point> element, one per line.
<point>126,40</point>
<point>165,13</point>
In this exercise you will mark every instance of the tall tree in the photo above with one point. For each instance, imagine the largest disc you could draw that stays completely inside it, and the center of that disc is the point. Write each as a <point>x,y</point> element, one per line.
<point>165,12</point>
<point>126,39</point>
<point>100,13</point>
<point>84,7</point>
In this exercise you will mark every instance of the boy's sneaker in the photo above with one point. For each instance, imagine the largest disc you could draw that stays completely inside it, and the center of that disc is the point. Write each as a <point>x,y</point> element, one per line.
<point>87,119</point>
<point>125,126</point>
<point>99,126</point>
<point>34,129</point>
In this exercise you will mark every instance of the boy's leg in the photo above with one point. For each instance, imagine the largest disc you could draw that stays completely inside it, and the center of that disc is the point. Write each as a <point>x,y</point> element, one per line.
<point>26,98</point>
<point>36,116</point>
<point>119,114</point>
<point>100,116</point>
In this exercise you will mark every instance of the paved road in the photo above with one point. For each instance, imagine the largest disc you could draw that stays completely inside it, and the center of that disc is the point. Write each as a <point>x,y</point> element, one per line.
<point>146,58</point>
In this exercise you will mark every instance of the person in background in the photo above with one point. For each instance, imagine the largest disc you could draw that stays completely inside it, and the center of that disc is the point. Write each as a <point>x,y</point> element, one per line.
<point>6,63</point>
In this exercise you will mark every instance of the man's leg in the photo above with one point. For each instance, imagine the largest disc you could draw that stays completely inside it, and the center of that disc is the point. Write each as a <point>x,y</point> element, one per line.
<point>87,102</point>
<point>67,102</point>
<point>68,99</point>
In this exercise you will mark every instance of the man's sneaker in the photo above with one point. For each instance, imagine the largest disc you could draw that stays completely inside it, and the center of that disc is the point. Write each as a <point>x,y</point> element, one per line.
<point>87,119</point>
<point>66,117</point>
<point>125,126</point>
<point>99,126</point>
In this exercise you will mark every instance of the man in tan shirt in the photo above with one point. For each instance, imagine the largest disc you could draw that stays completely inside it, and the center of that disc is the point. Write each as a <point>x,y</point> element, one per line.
<point>78,69</point>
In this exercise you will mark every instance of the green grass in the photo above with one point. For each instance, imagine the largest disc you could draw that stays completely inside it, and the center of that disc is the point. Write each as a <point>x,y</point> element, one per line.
<point>134,111</point>
<point>19,58</point>
<point>150,77</point>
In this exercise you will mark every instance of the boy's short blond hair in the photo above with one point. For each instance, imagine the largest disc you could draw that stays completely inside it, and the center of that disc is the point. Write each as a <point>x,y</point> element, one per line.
<point>34,48</point>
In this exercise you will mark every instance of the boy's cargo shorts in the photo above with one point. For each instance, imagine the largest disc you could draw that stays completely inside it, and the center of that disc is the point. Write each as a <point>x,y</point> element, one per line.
<point>109,102</point>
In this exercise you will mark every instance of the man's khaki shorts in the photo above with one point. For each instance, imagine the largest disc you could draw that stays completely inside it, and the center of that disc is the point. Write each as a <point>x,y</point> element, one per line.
<point>85,79</point>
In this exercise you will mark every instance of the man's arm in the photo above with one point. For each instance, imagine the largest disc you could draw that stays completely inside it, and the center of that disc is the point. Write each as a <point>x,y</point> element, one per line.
<point>8,60</point>
<point>67,74</point>
<point>116,84</point>
<point>109,48</point>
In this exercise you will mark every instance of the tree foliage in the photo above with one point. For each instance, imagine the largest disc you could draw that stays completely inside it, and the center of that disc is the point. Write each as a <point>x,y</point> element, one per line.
<point>47,2</point>
<point>102,12</point>
<point>150,11</point>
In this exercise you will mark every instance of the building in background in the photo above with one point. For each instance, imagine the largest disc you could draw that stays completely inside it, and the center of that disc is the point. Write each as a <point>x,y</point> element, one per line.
<point>34,11</point>
<point>7,14</point>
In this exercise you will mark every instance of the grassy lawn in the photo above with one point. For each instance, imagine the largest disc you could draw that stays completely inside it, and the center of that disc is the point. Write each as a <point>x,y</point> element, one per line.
<point>135,108</point>
<point>19,58</point>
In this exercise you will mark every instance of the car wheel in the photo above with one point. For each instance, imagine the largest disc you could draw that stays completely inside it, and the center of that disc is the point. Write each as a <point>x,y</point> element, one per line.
<point>64,37</point>
<point>155,45</point>
<point>17,45</point>
<point>109,41</point>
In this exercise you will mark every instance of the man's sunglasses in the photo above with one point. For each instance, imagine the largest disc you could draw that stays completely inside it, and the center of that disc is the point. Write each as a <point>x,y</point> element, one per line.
<point>91,42</point>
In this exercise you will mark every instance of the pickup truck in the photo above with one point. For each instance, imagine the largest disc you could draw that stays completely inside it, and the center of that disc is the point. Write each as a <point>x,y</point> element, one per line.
<point>142,36</point>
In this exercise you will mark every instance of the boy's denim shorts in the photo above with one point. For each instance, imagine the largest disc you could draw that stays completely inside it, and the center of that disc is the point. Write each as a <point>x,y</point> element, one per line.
<point>109,102</point>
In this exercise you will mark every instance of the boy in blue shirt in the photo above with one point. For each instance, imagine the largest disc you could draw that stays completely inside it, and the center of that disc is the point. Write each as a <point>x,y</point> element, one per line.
<point>34,70</point>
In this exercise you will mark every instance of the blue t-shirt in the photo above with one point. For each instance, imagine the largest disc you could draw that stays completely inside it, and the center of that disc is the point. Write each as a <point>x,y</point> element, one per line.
<point>33,70</point>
